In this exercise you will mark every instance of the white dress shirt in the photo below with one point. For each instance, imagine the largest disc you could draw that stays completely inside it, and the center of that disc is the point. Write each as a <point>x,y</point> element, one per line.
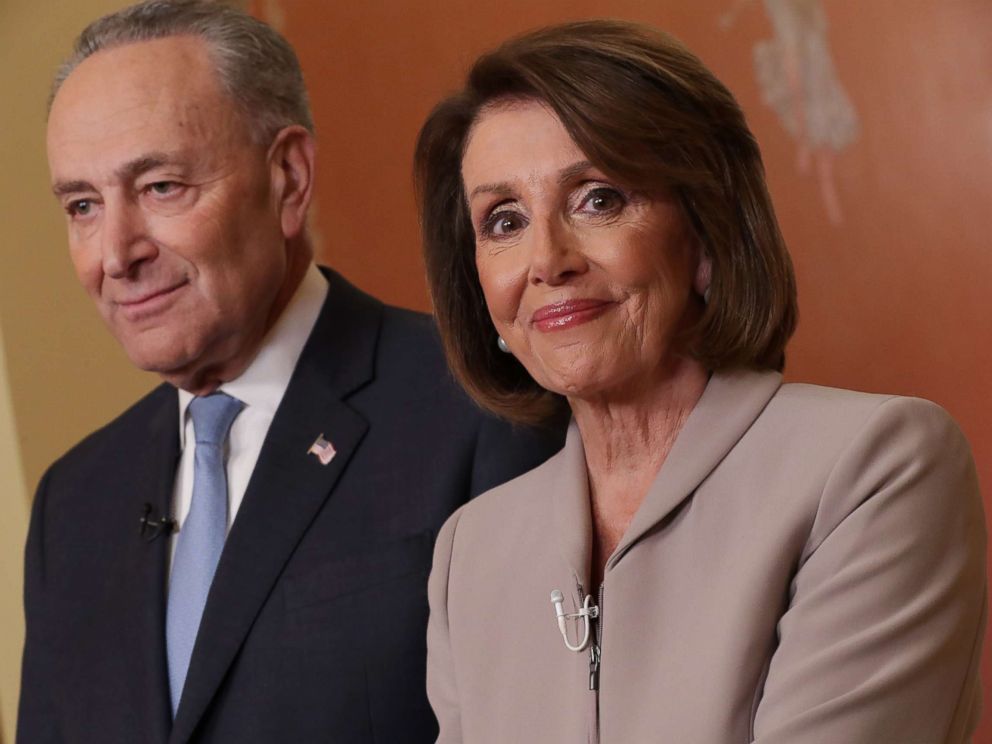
<point>260,388</point>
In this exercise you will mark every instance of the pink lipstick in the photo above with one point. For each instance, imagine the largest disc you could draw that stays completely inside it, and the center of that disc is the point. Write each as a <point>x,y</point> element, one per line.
<point>568,313</point>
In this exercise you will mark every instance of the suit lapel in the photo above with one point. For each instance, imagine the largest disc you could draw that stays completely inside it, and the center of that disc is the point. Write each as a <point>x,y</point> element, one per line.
<point>287,488</point>
<point>568,480</point>
<point>144,571</point>
<point>730,404</point>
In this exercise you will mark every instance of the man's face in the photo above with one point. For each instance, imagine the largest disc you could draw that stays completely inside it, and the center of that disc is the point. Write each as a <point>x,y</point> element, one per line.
<point>173,213</point>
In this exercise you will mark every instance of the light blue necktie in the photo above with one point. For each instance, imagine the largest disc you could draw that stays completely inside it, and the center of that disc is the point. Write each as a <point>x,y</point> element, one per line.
<point>201,538</point>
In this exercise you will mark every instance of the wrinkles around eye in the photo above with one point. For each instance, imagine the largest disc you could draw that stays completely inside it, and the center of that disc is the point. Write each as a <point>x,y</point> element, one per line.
<point>502,223</point>
<point>602,201</point>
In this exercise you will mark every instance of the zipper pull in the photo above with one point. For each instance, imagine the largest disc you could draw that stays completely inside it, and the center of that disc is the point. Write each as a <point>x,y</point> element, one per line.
<point>594,656</point>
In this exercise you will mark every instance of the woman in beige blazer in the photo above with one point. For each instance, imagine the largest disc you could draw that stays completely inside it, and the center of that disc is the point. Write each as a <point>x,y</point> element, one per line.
<point>714,557</point>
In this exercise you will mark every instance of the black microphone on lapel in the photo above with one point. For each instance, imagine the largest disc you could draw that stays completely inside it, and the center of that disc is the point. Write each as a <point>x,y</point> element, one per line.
<point>153,527</point>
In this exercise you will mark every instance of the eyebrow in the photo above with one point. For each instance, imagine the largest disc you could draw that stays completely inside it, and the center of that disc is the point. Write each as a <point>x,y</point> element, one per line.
<point>567,174</point>
<point>127,172</point>
<point>504,187</point>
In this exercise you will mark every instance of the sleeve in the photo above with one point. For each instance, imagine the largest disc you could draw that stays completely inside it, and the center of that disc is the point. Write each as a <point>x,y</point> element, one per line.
<point>503,451</point>
<point>882,636</point>
<point>36,720</point>
<point>441,688</point>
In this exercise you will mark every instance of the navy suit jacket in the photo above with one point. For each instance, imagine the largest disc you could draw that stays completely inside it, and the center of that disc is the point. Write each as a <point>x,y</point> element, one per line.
<point>314,629</point>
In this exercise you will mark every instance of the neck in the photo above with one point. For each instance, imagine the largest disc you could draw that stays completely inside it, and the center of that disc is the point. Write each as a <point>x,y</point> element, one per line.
<point>630,433</point>
<point>627,437</point>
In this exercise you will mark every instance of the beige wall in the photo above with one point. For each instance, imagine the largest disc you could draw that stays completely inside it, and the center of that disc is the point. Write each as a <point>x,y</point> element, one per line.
<point>63,375</point>
<point>13,523</point>
<point>67,374</point>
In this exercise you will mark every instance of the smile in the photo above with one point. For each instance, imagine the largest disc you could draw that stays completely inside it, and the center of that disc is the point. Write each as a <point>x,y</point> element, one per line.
<point>150,303</point>
<point>568,313</point>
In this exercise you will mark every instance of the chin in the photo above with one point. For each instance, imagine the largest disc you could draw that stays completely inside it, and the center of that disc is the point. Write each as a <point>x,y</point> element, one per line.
<point>163,356</point>
<point>575,372</point>
<point>162,365</point>
<point>574,383</point>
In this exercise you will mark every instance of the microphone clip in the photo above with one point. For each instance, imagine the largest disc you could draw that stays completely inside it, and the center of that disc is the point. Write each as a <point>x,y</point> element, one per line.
<point>152,527</point>
<point>587,613</point>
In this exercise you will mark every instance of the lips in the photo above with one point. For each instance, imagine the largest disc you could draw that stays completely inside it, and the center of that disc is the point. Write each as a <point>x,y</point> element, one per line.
<point>569,313</point>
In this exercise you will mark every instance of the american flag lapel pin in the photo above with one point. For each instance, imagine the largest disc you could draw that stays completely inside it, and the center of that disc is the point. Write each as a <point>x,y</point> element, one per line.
<point>323,449</point>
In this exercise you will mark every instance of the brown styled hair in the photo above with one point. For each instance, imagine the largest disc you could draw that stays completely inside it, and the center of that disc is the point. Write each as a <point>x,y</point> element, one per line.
<point>647,112</point>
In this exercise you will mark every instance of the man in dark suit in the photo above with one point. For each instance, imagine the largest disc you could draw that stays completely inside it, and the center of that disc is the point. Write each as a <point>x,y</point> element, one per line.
<point>241,556</point>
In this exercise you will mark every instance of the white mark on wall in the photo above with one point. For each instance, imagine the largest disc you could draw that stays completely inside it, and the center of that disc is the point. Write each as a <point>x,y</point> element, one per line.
<point>798,80</point>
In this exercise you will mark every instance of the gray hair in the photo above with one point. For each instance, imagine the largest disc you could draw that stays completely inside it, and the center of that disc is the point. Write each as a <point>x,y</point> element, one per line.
<point>256,66</point>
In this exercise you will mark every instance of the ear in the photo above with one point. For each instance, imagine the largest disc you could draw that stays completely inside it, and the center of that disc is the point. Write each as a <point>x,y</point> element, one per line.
<point>291,159</point>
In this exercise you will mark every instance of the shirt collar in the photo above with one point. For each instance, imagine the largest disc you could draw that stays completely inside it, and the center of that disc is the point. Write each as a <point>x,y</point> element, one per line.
<point>264,382</point>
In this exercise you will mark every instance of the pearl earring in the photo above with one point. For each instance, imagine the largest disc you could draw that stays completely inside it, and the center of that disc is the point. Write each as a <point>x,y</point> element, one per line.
<point>502,345</point>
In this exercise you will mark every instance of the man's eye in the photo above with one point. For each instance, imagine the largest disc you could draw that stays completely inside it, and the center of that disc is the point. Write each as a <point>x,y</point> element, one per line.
<point>79,208</point>
<point>501,224</point>
<point>163,188</point>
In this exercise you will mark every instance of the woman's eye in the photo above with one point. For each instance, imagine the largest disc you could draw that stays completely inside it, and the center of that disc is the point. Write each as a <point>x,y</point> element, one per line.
<point>602,200</point>
<point>501,224</point>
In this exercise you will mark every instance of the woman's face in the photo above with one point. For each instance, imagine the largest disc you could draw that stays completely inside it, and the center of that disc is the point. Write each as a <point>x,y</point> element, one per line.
<point>588,282</point>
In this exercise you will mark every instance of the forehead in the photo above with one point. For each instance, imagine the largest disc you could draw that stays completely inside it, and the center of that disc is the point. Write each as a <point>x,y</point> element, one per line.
<point>519,140</point>
<point>157,95</point>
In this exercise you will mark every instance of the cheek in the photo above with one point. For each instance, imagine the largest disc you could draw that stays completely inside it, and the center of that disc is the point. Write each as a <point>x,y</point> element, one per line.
<point>661,310</point>
<point>87,262</point>
<point>502,285</point>
<point>209,245</point>
<point>661,272</point>
<point>238,271</point>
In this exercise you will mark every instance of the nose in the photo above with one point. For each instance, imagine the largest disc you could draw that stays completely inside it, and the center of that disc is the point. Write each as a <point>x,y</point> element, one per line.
<point>556,255</point>
<point>125,243</point>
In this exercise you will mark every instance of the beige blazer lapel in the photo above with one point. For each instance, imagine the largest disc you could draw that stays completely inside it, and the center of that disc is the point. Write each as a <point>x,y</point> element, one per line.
<point>729,405</point>
<point>568,481</point>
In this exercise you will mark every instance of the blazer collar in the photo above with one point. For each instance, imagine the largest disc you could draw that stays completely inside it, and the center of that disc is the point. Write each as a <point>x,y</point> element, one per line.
<point>287,488</point>
<point>568,481</point>
<point>341,348</point>
<point>263,383</point>
<point>729,405</point>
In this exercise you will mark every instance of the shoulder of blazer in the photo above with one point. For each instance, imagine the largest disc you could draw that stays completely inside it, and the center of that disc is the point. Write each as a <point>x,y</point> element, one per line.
<point>339,355</point>
<point>359,339</point>
<point>845,413</point>
<point>151,418</point>
<point>395,329</point>
<point>523,498</point>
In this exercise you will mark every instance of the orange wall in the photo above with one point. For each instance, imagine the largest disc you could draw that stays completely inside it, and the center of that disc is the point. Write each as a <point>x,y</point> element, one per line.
<point>895,298</point>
